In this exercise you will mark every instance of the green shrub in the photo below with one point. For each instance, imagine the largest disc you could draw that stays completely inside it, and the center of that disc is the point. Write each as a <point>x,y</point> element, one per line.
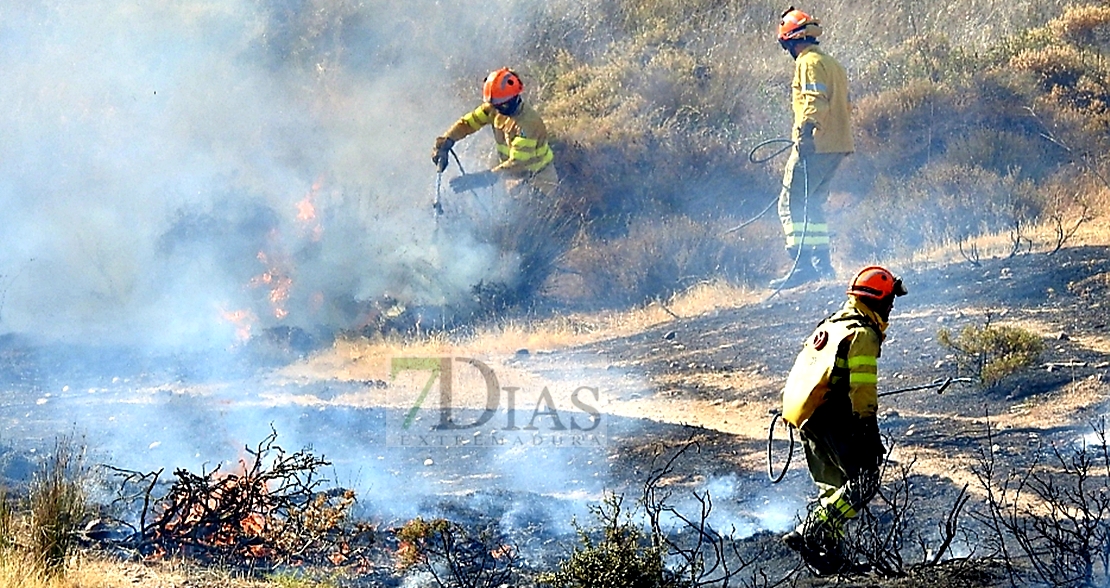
<point>992,353</point>
<point>296,579</point>
<point>615,554</point>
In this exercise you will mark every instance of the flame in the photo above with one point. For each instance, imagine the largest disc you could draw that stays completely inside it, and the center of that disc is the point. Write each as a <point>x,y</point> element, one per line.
<point>157,554</point>
<point>243,320</point>
<point>278,280</point>
<point>276,277</point>
<point>340,557</point>
<point>253,524</point>
<point>408,555</point>
<point>306,211</point>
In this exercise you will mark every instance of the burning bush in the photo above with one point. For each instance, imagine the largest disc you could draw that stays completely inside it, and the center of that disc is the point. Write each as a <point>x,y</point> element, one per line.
<point>275,509</point>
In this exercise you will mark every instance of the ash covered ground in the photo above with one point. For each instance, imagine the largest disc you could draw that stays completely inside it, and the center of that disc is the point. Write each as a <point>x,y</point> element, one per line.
<point>713,379</point>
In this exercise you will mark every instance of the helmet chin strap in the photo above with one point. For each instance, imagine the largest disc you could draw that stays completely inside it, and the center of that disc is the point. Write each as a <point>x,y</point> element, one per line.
<point>792,45</point>
<point>509,107</point>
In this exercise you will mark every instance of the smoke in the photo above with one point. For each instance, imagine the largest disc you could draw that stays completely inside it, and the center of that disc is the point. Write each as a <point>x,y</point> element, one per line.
<point>165,165</point>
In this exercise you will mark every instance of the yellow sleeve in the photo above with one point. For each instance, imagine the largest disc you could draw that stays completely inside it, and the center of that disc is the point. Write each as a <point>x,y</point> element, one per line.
<point>863,372</point>
<point>811,94</point>
<point>471,122</point>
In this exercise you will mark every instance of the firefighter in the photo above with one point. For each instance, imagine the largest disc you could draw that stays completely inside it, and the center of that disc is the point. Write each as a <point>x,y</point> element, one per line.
<point>822,137</point>
<point>831,398</point>
<point>525,156</point>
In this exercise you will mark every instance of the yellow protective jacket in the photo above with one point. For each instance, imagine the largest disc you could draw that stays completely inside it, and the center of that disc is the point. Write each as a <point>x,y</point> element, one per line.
<point>820,92</point>
<point>521,138</point>
<point>839,363</point>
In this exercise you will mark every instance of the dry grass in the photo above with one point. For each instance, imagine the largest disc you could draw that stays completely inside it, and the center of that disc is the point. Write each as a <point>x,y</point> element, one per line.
<point>368,358</point>
<point>85,573</point>
<point>90,571</point>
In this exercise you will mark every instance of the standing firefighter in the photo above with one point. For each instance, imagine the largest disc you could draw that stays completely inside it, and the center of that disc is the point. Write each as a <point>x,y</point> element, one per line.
<point>822,137</point>
<point>521,138</point>
<point>831,398</point>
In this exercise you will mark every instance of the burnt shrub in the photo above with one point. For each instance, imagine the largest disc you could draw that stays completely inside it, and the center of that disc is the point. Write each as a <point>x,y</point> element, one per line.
<point>1050,521</point>
<point>454,556</point>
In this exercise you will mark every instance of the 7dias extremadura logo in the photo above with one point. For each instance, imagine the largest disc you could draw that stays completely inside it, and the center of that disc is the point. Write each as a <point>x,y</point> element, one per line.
<point>445,401</point>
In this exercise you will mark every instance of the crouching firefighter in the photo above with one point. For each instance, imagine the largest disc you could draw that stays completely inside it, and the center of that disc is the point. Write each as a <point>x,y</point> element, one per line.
<point>520,135</point>
<point>831,397</point>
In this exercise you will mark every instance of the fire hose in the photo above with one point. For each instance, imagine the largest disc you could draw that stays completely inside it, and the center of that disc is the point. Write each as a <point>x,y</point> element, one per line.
<point>787,144</point>
<point>941,384</point>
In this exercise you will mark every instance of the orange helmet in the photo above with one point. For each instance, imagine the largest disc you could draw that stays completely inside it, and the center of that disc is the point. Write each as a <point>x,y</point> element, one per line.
<point>877,283</point>
<point>797,25</point>
<point>501,86</point>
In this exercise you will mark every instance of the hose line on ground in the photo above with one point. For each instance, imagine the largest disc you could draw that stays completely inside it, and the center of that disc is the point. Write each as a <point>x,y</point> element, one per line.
<point>776,478</point>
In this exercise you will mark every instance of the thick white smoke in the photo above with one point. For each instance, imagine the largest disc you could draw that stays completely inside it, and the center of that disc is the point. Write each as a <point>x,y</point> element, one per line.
<point>151,151</point>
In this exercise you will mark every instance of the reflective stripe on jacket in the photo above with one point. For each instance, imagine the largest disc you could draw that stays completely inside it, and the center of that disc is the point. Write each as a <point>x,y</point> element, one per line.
<point>839,363</point>
<point>521,138</point>
<point>820,92</point>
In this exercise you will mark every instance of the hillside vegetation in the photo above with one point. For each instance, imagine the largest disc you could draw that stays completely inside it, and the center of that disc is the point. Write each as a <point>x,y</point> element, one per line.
<point>965,124</point>
<point>970,118</point>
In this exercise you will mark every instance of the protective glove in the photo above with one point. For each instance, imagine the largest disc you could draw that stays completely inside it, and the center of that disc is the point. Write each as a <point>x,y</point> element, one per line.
<point>440,152</point>
<point>805,141</point>
<point>467,182</point>
<point>869,442</point>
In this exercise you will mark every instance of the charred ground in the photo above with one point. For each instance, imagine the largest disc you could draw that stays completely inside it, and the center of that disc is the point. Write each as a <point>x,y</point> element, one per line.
<point>713,379</point>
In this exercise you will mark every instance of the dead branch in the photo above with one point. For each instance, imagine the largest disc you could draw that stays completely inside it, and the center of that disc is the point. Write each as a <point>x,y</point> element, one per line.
<point>1056,512</point>
<point>704,555</point>
<point>274,509</point>
<point>971,255</point>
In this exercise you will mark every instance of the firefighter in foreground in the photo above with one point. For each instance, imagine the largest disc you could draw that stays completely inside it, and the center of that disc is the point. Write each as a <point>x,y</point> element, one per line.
<point>520,135</point>
<point>831,397</point>
<point>822,137</point>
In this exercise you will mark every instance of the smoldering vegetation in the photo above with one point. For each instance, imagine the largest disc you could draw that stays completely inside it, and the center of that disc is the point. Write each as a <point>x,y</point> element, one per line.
<point>191,175</point>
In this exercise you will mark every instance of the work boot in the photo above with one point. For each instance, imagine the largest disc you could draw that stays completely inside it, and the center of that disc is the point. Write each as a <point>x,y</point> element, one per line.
<point>824,555</point>
<point>819,259</point>
<point>795,540</point>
